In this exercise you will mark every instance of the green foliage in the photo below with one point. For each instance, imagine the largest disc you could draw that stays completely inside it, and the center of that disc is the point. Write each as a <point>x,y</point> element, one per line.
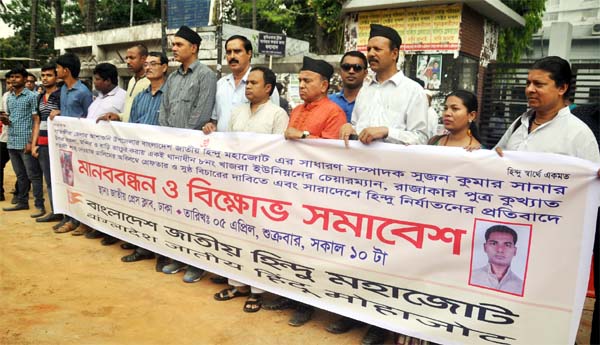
<point>310,20</point>
<point>513,42</point>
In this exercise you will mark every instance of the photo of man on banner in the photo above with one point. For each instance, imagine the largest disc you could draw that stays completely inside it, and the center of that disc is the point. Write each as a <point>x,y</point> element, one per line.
<point>499,272</point>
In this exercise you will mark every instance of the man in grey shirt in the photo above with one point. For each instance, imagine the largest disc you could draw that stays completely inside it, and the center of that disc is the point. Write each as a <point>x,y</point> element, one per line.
<point>190,96</point>
<point>187,103</point>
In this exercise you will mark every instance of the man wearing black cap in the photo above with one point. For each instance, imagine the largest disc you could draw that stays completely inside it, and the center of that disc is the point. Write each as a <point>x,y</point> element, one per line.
<point>318,117</point>
<point>392,107</point>
<point>187,103</point>
<point>190,96</point>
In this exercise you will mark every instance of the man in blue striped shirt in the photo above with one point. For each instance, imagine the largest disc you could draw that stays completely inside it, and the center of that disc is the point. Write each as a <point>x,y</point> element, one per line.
<point>22,109</point>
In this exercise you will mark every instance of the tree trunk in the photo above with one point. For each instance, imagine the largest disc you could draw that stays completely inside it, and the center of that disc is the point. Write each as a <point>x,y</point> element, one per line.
<point>32,40</point>
<point>57,17</point>
<point>91,16</point>
<point>319,38</point>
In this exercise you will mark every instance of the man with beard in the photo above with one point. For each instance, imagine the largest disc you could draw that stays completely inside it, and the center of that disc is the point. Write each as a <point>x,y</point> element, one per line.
<point>231,88</point>
<point>187,103</point>
<point>392,107</point>
<point>353,70</point>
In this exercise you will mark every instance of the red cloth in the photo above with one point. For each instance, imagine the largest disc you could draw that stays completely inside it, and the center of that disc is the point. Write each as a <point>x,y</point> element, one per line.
<point>322,118</point>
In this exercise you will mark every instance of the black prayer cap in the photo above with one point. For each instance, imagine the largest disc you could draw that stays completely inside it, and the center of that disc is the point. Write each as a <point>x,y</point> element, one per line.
<point>189,34</point>
<point>319,66</point>
<point>387,32</point>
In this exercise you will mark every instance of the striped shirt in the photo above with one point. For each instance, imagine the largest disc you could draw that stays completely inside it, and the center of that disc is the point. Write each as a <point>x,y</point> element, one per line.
<point>74,102</point>
<point>146,107</point>
<point>46,103</point>
<point>21,109</point>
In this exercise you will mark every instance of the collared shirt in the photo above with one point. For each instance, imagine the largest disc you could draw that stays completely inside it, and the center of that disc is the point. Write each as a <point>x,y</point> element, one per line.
<point>565,134</point>
<point>112,102</point>
<point>339,99</point>
<point>399,103</point>
<point>322,118</point>
<point>484,276</point>
<point>46,103</point>
<point>74,102</point>
<point>134,87</point>
<point>268,118</point>
<point>190,97</point>
<point>21,109</point>
<point>230,96</point>
<point>146,106</point>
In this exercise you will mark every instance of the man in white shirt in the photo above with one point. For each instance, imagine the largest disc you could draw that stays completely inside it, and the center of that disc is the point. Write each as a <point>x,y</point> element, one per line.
<point>501,247</point>
<point>258,116</point>
<point>232,87</point>
<point>4,158</point>
<point>392,107</point>
<point>111,98</point>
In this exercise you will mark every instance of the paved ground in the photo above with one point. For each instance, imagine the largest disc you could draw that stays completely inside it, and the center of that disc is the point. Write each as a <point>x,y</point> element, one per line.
<point>61,289</point>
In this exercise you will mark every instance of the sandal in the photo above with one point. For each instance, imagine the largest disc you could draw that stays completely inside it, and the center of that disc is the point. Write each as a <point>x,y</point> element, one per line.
<point>253,303</point>
<point>230,293</point>
<point>280,303</point>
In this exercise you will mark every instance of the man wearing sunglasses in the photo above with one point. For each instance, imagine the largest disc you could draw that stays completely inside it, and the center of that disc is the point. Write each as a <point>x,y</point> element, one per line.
<point>353,70</point>
<point>392,107</point>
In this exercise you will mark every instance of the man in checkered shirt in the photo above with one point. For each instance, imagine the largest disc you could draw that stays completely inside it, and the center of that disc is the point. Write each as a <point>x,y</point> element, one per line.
<point>22,110</point>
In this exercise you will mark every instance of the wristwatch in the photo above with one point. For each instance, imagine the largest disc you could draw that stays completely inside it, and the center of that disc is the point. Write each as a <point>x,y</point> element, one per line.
<point>305,134</point>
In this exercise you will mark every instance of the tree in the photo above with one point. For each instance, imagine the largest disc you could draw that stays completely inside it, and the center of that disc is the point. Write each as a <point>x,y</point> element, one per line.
<point>32,33</point>
<point>513,42</point>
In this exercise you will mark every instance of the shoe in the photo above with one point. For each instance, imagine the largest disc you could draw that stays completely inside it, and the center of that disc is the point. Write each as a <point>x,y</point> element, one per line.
<point>253,303</point>
<point>280,303</point>
<point>161,262</point>
<point>93,234</point>
<point>231,293</point>
<point>137,256</point>
<point>108,240</point>
<point>40,212</point>
<point>66,228</point>
<point>174,267</point>
<point>17,207</point>
<point>219,280</point>
<point>193,274</point>
<point>302,315</point>
<point>50,217</point>
<point>82,229</point>
<point>61,223</point>
<point>374,336</point>
<point>128,246</point>
<point>14,200</point>
<point>342,325</point>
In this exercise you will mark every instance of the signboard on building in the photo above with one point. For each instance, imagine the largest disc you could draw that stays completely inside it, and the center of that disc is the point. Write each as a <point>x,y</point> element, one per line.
<point>193,13</point>
<point>426,28</point>
<point>271,44</point>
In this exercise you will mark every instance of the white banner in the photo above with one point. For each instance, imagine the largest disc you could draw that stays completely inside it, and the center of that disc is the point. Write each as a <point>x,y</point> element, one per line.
<point>388,234</point>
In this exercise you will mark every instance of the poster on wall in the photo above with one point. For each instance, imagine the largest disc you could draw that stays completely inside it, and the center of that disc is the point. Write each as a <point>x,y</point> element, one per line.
<point>433,28</point>
<point>429,70</point>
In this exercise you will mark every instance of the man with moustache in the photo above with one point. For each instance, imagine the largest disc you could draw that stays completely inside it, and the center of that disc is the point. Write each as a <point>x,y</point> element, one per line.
<point>231,88</point>
<point>353,70</point>
<point>392,107</point>
<point>318,117</point>
<point>48,101</point>
<point>187,103</point>
<point>135,58</point>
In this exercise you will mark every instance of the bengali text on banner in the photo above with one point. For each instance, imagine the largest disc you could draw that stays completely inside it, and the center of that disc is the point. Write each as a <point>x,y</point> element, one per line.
<point>388,234</point>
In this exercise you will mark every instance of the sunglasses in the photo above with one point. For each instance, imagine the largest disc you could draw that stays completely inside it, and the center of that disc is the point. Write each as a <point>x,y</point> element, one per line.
<point>357,68</point>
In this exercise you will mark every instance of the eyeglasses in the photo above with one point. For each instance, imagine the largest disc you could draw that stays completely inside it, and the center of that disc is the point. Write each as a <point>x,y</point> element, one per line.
<point>357,68</point>
<point>152,64</point>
